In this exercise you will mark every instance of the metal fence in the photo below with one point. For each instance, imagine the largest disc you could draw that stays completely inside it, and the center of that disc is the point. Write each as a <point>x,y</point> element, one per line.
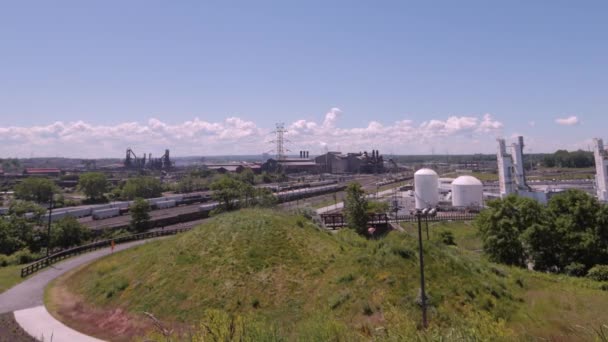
<point>67,253</point>
<point>438,218</point>
<point>338,220</point>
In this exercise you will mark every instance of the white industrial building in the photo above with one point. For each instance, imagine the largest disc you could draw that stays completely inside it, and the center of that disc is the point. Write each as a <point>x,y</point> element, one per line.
<point>426,188</point>
<point>511,174</point>
<point>601,169</point>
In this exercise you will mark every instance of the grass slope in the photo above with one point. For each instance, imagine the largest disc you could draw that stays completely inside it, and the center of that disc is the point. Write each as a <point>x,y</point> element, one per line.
<point>10,276</point>
<point>286,278</point>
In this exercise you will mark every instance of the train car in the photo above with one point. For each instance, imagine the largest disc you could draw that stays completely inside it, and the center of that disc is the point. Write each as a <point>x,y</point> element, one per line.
<point>55,215</point>
<point>207,207</point>
<point>105,213</point>
<point>191,199</point>
<point>120,205</point>
<point>153,201</point>
<point>102,206</point>
<point>176,198</point>
<point>80,212</point>
<point>165,204</point>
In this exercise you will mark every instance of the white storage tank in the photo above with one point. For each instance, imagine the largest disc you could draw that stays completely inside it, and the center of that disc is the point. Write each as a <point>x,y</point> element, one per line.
<point>426,188</point>
<point>467,191</point>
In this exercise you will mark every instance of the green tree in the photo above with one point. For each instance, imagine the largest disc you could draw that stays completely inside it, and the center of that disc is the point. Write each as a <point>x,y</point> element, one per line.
<point>9,239</point>
<point>576,232</point>
<point>18,231</point>
<point>142,186</point>
<point>502,224</point>
<point>36,189</point>
<point>227,191</point>
<point>355,208</point>
<point>247,176</point>
<point>94,185</point>
<point>68,232</point>
<point>191,183</point>
<point>140,215</point>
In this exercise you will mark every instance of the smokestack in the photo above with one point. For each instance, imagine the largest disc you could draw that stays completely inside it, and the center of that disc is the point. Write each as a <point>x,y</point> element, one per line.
<point>307,154</point>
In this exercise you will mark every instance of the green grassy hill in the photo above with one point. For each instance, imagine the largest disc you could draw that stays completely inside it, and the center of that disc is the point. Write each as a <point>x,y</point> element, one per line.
<point>277,276</point>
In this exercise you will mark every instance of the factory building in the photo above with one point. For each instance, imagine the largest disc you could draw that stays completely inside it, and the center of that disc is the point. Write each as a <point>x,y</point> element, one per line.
<point>601,169</point>
<point>362,162</point>
<point>234,168</point>
<point>292,165</point>
<point>133,162</point>
<point>511,174</point>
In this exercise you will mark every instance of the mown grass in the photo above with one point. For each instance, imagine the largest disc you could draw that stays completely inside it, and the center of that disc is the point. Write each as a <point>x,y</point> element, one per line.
<point>267,275</point>
<point>10,276</point>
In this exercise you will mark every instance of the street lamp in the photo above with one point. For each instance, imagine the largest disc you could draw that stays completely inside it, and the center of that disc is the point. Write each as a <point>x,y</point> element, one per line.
<point>48,232</point>
<point>420,213</point>
<point>431,213</point>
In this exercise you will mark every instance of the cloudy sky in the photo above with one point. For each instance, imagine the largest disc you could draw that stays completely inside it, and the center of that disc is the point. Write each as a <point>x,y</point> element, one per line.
<point>91,78</point>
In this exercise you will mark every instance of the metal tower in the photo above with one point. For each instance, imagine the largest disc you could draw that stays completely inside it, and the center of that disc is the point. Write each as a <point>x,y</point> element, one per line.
<point>280,141</point>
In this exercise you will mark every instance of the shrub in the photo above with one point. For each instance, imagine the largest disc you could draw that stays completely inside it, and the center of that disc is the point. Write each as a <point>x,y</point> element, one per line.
<point>575,269</point>
<point>24,256</point>
<point>5,260</point>
<point>403,252</point>
<point>447,238</point>
<point>598,272</point>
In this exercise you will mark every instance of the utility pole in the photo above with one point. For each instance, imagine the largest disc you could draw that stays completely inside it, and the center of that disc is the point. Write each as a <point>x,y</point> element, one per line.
<point>422,291</point>
<point>48,232</point>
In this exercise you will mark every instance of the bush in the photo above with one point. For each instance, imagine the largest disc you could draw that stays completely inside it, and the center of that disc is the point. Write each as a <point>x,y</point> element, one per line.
<point>403,252</point>
<point>447,238</point>
<point>575,269</point>
<point>5,260</point>
<point>24,256</point>
<point>598,272</point>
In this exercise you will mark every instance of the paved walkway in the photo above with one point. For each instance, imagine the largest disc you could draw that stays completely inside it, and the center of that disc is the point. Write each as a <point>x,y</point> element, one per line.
<point>39,323</point>
<point>27,299</point>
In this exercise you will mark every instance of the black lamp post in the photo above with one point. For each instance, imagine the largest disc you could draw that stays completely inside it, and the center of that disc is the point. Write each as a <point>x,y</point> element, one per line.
<point>420,213</point>
<point>48,232</point>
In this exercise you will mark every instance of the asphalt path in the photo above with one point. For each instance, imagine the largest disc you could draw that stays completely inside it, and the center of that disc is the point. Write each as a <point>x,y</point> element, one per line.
<point>30,292</point>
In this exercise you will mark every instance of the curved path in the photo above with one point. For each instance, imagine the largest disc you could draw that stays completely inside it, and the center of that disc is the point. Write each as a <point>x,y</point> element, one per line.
<point>27,299</point>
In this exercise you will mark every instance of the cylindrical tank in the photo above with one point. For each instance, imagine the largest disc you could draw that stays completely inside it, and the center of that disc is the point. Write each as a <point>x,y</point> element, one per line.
<point>467,191</point>
<point>426,188</point>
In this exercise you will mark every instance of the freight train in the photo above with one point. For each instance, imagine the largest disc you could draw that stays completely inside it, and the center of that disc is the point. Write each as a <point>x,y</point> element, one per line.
<point>286,196</point>
<point>114,209</point>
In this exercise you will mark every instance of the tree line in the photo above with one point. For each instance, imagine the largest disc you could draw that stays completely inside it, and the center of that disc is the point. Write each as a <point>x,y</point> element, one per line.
<point>563,158</point>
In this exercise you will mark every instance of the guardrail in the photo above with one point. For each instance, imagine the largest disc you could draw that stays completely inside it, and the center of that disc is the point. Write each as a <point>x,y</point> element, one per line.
<point>66,253</point>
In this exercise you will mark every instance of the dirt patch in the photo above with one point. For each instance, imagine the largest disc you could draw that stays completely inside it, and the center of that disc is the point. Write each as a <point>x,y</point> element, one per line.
<point>10,331</point>
<point>108,324</point>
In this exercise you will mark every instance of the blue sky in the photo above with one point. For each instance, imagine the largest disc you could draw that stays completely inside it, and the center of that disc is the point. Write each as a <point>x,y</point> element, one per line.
<point>84,77</point>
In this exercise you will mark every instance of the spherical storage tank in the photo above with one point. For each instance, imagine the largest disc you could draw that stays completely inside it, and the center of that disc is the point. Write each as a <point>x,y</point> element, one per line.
<point>467,191</point>
<point>426,188</point>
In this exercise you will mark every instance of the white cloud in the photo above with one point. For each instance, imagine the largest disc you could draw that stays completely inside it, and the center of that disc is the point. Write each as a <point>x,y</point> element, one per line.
<point>569,121</point>
<point>237,136</point>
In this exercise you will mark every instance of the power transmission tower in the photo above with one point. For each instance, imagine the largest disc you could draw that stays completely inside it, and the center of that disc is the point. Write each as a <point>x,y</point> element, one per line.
<point>280,141</point>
